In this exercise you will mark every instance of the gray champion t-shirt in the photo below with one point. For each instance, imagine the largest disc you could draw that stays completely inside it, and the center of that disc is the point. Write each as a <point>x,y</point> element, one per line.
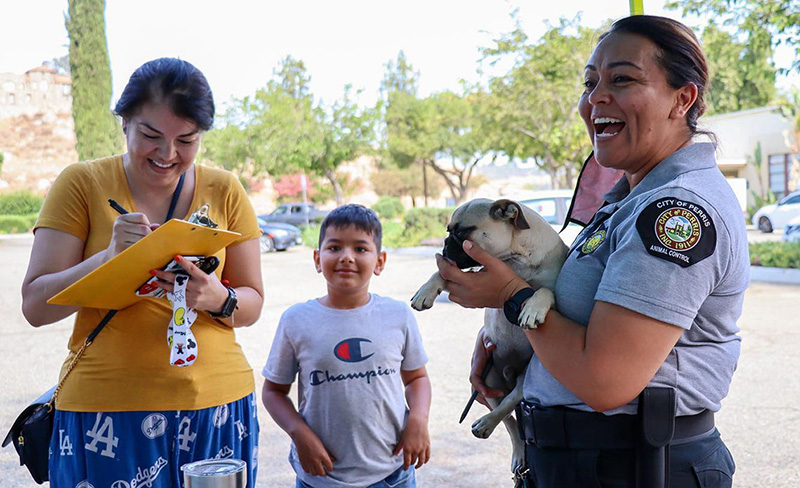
<point>350,393</point>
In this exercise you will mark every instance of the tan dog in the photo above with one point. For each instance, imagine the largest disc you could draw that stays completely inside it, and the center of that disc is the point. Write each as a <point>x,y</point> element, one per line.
<point>522,239</point>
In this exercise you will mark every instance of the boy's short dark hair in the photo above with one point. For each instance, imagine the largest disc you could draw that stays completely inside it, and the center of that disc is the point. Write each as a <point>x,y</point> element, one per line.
<point>359,216</point>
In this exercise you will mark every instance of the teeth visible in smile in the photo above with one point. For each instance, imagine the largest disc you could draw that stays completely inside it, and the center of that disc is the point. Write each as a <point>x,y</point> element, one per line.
<point>607,120</point>
<point>603,123</point>
<point>161,165</point>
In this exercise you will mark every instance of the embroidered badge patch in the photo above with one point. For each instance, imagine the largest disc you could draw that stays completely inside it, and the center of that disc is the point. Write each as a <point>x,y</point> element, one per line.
<point>593,242</point>
<point>677,230</point>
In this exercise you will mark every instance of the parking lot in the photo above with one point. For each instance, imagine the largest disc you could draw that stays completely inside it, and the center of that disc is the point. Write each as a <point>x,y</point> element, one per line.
<point>760,419</point>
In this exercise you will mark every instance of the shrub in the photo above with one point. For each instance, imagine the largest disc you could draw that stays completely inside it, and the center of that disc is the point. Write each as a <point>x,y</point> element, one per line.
<point>310,236</point>
<point>389,207</point>
<point>17,224</point>
<point>428,219</point>
<point>425,223</point>
<point>775,254</point>
<point>20,203</point>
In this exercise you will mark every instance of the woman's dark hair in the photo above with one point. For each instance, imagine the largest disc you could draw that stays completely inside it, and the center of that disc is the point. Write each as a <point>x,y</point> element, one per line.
<point>172,81</point>
<point>359,216</point>
<point>679,55</point>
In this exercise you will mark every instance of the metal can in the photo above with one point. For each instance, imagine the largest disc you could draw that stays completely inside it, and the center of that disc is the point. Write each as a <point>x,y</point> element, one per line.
<point>215,473</point>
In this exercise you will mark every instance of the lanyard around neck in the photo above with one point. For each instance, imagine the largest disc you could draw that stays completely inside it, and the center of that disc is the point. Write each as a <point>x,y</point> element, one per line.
<point>174,202</point>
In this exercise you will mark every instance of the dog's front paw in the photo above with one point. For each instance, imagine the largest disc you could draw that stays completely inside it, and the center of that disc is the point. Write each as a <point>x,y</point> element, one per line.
<point>424,297</point>
<point>535,308</point>
<point>484,426</point>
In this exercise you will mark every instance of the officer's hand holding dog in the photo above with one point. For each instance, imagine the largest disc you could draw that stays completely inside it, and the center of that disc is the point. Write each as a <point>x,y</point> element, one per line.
<point>488,288</point>
<point>480,355</point>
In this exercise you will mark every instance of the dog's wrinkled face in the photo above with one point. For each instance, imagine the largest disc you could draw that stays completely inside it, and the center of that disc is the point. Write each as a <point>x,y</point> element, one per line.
<point>490,224</point>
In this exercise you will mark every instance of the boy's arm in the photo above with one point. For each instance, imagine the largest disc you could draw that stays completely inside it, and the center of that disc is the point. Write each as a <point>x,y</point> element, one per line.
<point>415,441</point>
<point>314,458</point>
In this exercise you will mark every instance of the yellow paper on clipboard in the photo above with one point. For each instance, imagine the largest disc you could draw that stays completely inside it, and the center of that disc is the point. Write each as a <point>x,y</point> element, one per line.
<point>113,285</point>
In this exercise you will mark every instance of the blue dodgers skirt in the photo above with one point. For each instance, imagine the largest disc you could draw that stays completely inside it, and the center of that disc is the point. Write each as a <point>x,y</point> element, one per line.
<point>147,449</point>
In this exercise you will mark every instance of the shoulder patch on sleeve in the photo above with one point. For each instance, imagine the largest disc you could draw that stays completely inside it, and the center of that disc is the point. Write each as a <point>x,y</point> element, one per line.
<point>677,230</point>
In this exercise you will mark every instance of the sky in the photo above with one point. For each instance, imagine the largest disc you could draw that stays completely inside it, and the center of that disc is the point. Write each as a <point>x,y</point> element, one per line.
<point>239,43</point>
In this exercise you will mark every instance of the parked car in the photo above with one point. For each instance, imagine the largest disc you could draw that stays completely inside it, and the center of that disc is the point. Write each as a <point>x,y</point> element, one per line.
<point>295,214</point>
<point>791,232</point>
<point>277,236</point>
<point>777,215</point>
<point>553,206</point>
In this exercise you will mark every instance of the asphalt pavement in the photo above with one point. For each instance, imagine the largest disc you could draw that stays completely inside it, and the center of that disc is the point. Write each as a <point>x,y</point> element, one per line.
<point>760,419</point>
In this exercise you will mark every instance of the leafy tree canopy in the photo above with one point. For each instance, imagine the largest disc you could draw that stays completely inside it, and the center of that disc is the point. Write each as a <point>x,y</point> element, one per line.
<point>757,22</point>
<point>535,102</point>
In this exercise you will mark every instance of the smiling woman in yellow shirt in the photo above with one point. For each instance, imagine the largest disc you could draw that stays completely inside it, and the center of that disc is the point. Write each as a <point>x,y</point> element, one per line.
<point>124,409</point>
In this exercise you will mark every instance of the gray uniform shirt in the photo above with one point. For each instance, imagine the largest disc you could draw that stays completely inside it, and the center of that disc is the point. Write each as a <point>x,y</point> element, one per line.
<point>350,392</point>
<point>674,249</point>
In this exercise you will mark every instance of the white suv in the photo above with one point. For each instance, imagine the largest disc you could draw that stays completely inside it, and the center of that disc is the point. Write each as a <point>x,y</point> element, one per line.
<point>553,206</point>
<point>777,215</point>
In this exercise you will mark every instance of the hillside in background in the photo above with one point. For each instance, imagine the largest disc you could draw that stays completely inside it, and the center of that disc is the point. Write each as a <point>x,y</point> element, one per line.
<point>35,149</point>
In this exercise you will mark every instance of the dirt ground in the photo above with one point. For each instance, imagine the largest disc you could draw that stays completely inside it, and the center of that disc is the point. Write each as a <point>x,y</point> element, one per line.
<point>760,419</point>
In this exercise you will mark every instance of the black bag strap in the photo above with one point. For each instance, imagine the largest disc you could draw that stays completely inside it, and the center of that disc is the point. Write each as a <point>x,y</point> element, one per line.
<point>110,314</point>
<point>175,195</point>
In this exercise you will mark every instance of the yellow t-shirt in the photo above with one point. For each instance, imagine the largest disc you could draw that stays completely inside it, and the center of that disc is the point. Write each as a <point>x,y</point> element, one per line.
<point>127,366</point>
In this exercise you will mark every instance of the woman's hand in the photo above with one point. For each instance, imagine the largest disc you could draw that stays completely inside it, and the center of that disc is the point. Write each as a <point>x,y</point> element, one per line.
<point>488,288</point>
<point>203,291</point>
<point>480,355</point>
<point>128,229</point>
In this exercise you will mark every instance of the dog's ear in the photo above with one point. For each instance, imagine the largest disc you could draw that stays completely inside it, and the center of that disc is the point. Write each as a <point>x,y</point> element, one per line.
<point>511,211</point>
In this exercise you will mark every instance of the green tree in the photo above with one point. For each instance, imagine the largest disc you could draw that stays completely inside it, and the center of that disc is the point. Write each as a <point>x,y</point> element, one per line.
<point>535,102</point>
<point>60,64</point>
<point>757,22</point>
<point>399,77</point>
<point>742,76</point>
<point>448,133</point>
<point>96,129</point>
<point>391,181</point>
<point>272,132</point>
<point>281,130</point>
<point>347,132</point>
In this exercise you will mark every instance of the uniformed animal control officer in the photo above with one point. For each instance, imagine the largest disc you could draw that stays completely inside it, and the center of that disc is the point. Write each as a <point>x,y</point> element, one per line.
<point>629,369</point>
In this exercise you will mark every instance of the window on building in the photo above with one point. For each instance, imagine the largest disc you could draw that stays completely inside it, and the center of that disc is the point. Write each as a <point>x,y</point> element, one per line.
<point>11,99</point>
<point>780,167</point>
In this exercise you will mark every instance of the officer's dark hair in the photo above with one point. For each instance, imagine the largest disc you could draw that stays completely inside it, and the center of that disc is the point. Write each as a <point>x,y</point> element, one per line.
<point>679,55</point>
<point>172,81</point>
<point>359,216</point>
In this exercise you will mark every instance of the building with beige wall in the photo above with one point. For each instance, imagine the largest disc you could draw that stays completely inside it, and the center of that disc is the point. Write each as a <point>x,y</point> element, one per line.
<point>39,90</point>
<point>741,133</point>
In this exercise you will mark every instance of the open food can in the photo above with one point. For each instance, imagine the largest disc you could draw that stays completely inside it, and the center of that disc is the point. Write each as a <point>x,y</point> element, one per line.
<point>215,473</point>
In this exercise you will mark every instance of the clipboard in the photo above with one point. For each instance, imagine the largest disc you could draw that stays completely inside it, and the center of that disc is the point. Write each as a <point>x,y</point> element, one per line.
<point>113,285</point>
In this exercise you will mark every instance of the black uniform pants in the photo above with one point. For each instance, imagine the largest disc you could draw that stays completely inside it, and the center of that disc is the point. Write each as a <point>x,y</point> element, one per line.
<point>701,463</point>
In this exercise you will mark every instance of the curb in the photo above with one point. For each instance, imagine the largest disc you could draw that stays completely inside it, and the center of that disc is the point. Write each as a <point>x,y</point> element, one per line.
<point>788,276</point>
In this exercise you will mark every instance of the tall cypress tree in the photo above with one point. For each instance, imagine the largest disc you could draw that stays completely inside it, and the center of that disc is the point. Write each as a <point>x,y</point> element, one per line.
<point>96,129</point>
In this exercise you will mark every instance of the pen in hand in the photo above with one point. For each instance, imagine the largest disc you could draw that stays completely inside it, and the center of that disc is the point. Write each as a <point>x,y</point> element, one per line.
<point>116,206</point>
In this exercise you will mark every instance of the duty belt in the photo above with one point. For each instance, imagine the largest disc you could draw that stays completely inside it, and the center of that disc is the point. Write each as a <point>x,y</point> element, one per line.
<point>565,428</point>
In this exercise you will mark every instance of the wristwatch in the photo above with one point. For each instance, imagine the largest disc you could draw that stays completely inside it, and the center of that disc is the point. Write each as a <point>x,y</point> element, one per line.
<point>513,305</point>
<point>228,307</point>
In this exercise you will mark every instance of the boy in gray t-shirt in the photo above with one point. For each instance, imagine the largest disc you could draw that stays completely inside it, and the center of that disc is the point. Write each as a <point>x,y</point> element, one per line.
<point>358,359</point>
